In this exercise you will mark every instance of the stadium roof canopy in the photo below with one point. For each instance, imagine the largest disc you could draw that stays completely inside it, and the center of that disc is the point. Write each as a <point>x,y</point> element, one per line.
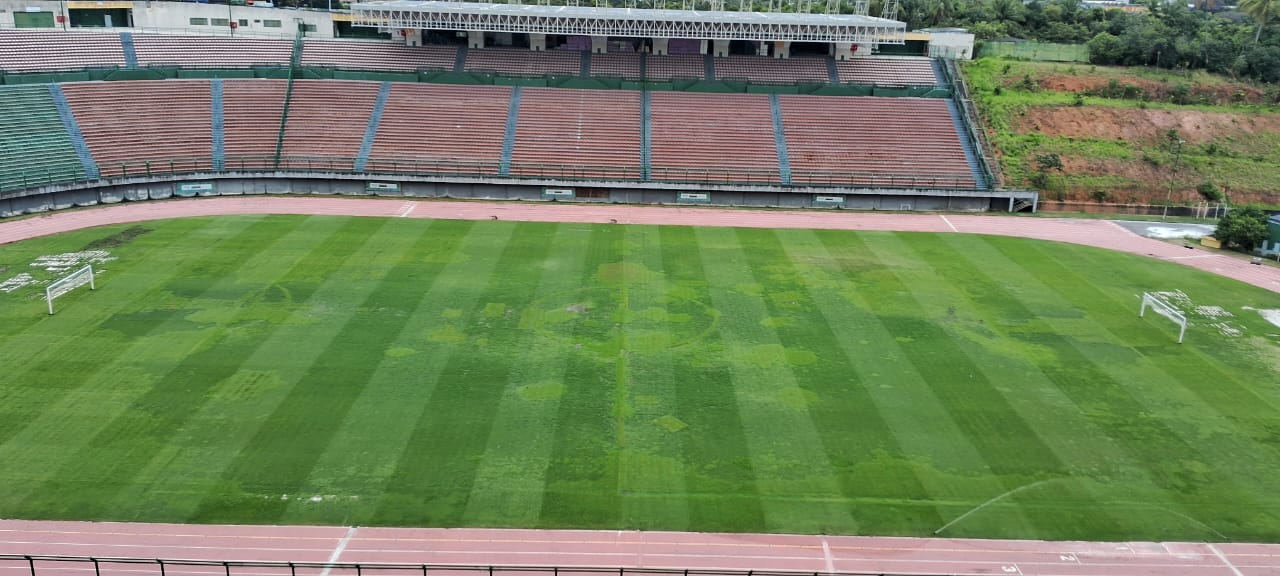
<point>628,22</point>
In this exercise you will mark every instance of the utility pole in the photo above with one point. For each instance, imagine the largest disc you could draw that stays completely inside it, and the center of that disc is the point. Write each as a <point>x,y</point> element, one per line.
<point>1177,157</point>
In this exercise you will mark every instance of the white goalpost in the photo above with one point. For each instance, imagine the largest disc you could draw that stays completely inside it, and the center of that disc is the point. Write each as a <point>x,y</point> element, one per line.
<point>1164,309</point>
<point>68,283</point>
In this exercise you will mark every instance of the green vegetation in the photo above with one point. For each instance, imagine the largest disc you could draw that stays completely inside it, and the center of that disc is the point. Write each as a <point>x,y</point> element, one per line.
<point>1244,228</point>
<point>1131,132</point>
<point>394,371</point>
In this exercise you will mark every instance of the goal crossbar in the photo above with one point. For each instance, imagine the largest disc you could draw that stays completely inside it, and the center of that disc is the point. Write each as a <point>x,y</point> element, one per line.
<point>68,283</point>
<point>1166,310</point>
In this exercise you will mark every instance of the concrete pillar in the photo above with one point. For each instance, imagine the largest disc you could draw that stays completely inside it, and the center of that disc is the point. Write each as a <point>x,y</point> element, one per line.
<point>660,46</point>
<point>762,49</point>
<point>841,51</point>
<point>599,44</point>
<point>413,37</point>
<point>475,39</point>
<point>782,49</point>
<point>721,48</point>
<point>537,42</point>
<point>702,46</point>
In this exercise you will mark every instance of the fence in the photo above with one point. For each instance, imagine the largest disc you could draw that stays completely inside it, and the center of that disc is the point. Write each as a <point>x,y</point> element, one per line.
<point>1200,210</point>
<point>33,565</point>
<point>1037,51</point>
<point>168,167</point>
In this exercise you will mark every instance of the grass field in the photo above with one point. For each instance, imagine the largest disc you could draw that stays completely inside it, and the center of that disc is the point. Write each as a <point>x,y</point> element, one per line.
<point>276,369</point>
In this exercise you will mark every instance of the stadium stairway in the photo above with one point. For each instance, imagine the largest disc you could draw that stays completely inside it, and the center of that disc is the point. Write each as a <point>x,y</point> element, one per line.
<point>780,139</point>
<point>644,67</point>
<point>833,71</point>
<point>585,67</point>
<point>130,54</point>
<point>709,67</point>
<point>646,134</point>
<point>509,137</point>
<point>370,132</point>
<point>33,142</point>
<point>970,155</point>
<point>73,130</point>
<point>218,126</point>
<point>460,59</point>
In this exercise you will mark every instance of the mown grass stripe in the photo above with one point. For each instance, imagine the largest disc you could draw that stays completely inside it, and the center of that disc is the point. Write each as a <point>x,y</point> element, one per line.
<point>72,348</point>
<point>227,418</point>
<point>438,465</point>
<point>897,314</point>
<point>295,434</point>
<point>581,486</point>
<point>973,293</point>
<point>849,423</point>
<point>513,471</point>
<point>719,475</point>
<point>797,483</point>
<point>376,430</point>
<point>140,426</point>
<point>651,472</point>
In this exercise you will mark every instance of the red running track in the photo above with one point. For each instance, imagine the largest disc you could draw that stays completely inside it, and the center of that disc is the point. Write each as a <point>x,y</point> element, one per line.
<point>629,549</point>
<point>1099,233</point>
<point>570,548</point>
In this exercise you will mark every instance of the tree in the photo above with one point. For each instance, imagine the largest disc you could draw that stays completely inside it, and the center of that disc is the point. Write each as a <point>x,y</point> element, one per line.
<point>1243,227</point>
<point>1262,11</point>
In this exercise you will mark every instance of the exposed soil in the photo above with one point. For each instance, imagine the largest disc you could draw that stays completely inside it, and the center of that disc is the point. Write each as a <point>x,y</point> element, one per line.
<point>1144,125</point>
<point>118,239</point>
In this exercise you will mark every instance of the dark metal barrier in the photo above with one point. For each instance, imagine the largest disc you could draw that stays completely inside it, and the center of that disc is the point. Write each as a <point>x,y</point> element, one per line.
<point>37,565</point>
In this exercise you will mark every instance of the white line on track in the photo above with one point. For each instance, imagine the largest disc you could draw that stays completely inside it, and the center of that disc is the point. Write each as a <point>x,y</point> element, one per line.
<point>337,551</point>
<point>826,555</point>
<point>944,219</point>
<point>1224,559</point>
<point>406,209</point>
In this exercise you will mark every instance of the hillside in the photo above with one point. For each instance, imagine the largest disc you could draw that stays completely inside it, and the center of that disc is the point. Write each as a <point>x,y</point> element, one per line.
<point>1127,134</point>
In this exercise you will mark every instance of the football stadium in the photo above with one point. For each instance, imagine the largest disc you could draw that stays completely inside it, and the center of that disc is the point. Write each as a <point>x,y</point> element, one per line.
<point>522,289</point>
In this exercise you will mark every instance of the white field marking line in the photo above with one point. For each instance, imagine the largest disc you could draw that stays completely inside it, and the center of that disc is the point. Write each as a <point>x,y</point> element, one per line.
<point>1191,257</point>
<point>826,555</point>
<point>337,551</point>
<point>406,209</point>
<point>142,545</point>
<point>1224,559</point>
<point>944,219</point>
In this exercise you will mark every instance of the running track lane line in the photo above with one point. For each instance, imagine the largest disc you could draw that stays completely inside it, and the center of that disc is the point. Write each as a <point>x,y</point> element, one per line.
<point>337,550</point>
<point>1098,233</point>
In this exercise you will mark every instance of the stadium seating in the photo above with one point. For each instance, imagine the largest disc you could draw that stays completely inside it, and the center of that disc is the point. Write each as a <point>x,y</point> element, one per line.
<point>625,66</point>
<point>524,62</point>
<point>133,127</point>
<point>251,120</point>
<point>32,51</point>
<point>880,141</point>
<point>887,71</point>
<point>210,51</point>
<point>326,124</point>
<point>388,56</point>
<point>758,70</point>
<point>713,137</point>
<point>441,128</point>
<point>587,133</point>
<point>34,147</point>
<point>674,67</point>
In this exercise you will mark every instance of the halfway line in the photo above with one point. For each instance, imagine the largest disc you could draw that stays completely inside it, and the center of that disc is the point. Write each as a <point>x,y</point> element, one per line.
<point>342,544</point>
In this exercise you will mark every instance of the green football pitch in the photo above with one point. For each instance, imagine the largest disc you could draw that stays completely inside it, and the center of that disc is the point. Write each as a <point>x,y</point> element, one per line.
<point>361,371</point>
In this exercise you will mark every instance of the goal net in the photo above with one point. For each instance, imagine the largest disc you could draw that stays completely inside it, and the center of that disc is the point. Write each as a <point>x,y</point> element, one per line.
<point>68,283</point>
<point>1165,309</point>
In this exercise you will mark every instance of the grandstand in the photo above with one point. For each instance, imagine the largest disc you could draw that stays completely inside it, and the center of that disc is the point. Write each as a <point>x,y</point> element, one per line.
<point>629,125</point>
